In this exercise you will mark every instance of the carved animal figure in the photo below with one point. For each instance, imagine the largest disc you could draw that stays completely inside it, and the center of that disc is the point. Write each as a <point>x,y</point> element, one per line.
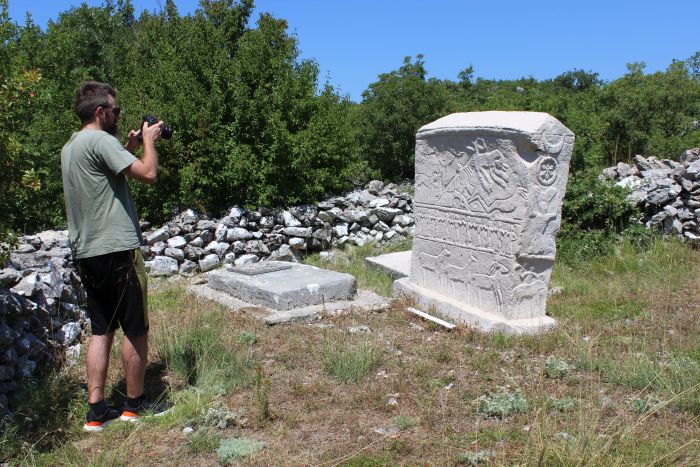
<point>434,263</point>
<point>456,275</point>
<point>489,288</point>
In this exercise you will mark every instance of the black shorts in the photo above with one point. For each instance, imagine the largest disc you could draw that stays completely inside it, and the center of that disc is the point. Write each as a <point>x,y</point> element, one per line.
<point>116,286</point>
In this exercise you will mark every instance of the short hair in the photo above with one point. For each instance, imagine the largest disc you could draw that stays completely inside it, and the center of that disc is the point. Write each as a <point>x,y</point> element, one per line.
<point>91,95</point>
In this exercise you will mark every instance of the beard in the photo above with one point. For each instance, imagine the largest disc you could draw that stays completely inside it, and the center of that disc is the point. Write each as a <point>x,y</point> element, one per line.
<point>114,131</point>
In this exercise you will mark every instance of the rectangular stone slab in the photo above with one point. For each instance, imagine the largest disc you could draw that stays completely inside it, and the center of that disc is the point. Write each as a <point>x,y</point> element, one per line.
<point>294,287</point>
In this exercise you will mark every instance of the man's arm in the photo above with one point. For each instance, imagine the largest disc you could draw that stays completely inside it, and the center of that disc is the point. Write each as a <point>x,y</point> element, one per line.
<point>145,169</point>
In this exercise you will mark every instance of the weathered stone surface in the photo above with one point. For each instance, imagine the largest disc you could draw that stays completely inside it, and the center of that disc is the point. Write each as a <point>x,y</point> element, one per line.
<point>298,286</point>
<point>290,220</point>
<point>176,253</point>
<point>9,277</point>
<point>159,235</point>
<point>489,187</point>
<point>209,262</point>
<point>285,253</point>
<point>246,259</point>
<point>218,248</point>
<point>70,332</point>
<point>177,242</point>
<point>304,232</point>
<point>238,233</point>
<point>340,230</point>
<point>257,246</point>
<point>297,243</point>
<point>162,266</point>
<point>188,268</point>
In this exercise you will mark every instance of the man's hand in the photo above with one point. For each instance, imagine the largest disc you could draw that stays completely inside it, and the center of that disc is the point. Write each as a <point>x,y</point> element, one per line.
<point>152,132</point>
<point>146,169</point>
<point>133,143</point>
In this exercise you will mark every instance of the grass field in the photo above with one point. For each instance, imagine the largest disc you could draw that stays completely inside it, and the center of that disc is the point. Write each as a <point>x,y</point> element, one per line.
<point>617,383</point>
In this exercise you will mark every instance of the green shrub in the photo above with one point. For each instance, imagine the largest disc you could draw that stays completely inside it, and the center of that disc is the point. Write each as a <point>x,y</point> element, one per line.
<point>247,337</point>
<point>236,449</point>
<point>261,391</point>
<point>565,404</point>
<point>503,403</point>
<point>555,367</point>
<point>648,403</point>
<point>476,458</point>
<point>203,441</point>
<point>200,356</point>
<point>595,215</point>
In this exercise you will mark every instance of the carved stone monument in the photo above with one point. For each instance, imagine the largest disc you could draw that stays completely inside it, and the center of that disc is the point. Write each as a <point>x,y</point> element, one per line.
<point>489,189</point>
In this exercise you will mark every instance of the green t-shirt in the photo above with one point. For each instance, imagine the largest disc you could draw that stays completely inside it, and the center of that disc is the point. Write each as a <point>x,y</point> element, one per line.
<point>101,212</point>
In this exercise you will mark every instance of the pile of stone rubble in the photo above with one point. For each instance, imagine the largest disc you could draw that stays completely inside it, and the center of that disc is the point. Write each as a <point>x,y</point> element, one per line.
<point>191,243</point>
<point>40,293</point>
<point>668,191</point>
<point>40,320</point>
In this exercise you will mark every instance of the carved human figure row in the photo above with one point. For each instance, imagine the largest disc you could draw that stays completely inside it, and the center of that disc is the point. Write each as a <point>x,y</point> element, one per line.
<point>462,228</point>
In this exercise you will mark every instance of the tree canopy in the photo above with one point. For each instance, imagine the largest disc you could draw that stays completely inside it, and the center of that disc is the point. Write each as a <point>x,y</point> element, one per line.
<point>253,124</point>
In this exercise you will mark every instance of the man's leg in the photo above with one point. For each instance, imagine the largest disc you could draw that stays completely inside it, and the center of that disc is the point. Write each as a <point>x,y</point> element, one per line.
<point>135,359</point>
<point>97,365</point>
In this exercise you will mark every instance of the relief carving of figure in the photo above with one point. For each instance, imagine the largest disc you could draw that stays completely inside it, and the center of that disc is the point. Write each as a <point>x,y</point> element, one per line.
<point>435,264</point>
<point>490,287</point>
<point>530,297</point>
<point>456,275</point>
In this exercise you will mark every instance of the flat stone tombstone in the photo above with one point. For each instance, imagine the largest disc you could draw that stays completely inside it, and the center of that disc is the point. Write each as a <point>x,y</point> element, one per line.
<point>489,189</point>
<point>283,286</point>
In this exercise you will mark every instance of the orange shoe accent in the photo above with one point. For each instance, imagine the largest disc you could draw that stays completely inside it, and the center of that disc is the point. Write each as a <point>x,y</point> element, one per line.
<point>126,413</point>
<point>94,423</point>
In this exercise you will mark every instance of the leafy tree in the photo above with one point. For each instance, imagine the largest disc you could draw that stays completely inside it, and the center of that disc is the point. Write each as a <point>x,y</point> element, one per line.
<point>651,114</point>
<point>392,111</point>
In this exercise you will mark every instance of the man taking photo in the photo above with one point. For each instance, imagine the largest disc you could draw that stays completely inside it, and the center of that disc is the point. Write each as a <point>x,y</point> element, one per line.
<point>105,237</point>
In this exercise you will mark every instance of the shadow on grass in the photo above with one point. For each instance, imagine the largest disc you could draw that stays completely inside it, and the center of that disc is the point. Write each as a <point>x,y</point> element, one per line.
<point>155,386</point>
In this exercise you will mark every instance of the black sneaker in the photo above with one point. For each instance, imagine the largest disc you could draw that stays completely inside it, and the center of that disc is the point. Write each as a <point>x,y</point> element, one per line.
<point>144,408</point>
<point>95,423</point>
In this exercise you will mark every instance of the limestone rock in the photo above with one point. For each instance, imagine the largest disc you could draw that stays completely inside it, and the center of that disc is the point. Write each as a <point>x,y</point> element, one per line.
<point>246,259</point>
<point>290,220</point>
<point>285,253</point>
<point>488,194</point>
<point>188,268</point>
<point>162,266</point>
<point>209,262</point>
<point>159,235</point>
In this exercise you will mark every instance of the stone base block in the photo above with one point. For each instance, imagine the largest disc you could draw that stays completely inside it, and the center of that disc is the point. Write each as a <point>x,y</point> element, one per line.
<point>397,264</point>
<point>293,287</point>
<point>465,314</point>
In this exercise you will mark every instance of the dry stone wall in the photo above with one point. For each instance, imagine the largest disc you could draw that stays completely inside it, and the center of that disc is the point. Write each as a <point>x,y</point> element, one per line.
<point>41,298</point>
<point>667,191</point>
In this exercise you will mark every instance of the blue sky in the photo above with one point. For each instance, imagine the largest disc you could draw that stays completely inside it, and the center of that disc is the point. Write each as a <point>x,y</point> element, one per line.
<point>354,41</point>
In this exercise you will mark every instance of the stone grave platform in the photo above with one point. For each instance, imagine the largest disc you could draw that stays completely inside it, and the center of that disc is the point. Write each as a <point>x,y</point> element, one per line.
<point>283,286</point>
<point>396,264</point>
<point>279,292</point>
<point>458,312</point>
